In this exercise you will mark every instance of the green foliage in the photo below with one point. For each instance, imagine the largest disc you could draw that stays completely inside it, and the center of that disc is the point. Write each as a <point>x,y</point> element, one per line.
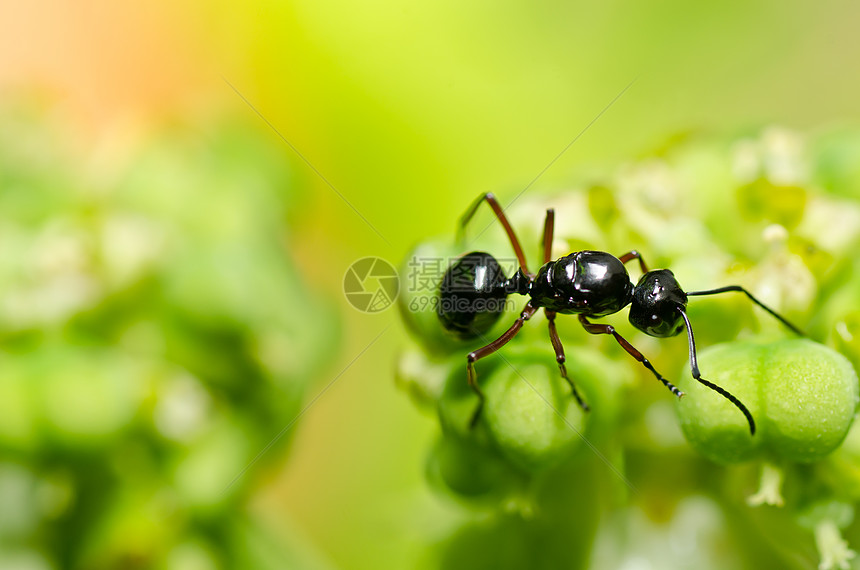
<point>152,337</point>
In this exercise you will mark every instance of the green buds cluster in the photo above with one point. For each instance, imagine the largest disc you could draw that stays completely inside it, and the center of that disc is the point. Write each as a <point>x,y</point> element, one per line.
<point>802,394</point>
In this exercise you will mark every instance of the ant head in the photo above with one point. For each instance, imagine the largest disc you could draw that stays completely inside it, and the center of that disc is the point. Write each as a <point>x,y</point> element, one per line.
<point>657,299</point>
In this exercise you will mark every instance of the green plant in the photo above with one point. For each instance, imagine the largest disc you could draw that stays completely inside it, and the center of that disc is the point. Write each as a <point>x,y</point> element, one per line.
<point>152,342</point>
<point>774,212</point>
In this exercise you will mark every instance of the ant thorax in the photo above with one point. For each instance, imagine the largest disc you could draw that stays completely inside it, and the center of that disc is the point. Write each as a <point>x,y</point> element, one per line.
<point>590,283</point>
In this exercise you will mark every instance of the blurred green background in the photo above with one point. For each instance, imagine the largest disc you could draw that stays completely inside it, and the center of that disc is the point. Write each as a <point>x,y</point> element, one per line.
<point>122,116</point>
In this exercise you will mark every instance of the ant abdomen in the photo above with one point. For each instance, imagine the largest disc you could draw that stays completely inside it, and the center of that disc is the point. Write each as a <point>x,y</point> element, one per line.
<point>472,295</point>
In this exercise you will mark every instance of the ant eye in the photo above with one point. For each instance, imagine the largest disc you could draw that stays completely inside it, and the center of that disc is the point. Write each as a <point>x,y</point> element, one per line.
<point>654,309</point>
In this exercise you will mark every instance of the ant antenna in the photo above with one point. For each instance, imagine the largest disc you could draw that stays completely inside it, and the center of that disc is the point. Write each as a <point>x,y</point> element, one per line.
<point>773,313</point>
<point>694,365</point>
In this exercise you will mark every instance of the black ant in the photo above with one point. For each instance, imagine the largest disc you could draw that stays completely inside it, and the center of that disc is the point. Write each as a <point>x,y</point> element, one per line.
<point>590,284</point>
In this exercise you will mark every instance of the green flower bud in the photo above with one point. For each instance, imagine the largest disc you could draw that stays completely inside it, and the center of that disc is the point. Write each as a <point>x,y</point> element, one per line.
<point>711,423</point>
<point>529,413</point>
<point>471,471</point>
<point>423,377</point>
<point>802,395</point>
<point>810,400</point>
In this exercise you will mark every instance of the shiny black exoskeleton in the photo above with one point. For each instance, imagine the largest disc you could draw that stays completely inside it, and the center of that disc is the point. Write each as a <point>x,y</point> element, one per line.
<point>590,284</point>
<point>657,303</point>
<point>472,295</point>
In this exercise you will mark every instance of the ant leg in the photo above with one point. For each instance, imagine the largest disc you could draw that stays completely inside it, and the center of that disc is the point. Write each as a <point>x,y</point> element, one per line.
<point>634,255</point>
<point>694,366</point>
<point>596,328</point>
<point>559,357</point>
<point>500,215</point>
<point>482,352</point>
<point>548,229</point>
<point>773,313</point>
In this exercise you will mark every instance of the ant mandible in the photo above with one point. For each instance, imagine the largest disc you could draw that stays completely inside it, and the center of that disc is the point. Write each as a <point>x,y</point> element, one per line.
<point>590,284</point>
